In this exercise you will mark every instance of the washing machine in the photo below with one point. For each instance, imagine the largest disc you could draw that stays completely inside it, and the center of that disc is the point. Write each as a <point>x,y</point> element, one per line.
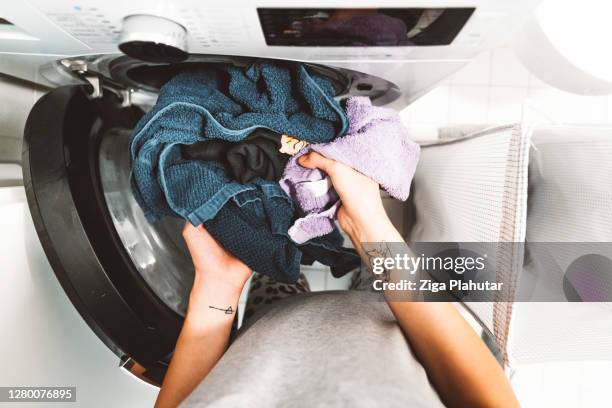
<point>104,63</point>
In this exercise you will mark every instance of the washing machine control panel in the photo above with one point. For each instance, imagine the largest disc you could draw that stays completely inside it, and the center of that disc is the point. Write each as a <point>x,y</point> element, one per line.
<point>319,30</point>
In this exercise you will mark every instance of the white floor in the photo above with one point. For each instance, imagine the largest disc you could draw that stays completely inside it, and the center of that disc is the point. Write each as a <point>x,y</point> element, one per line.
<point>581,384</point>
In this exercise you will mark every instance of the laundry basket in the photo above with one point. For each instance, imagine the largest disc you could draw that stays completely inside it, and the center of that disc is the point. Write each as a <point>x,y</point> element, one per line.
<point>474,189</point>
<point>537,187</point>
<point>569,213</point>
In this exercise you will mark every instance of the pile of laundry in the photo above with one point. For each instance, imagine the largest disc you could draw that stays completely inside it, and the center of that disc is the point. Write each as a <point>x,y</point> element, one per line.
<point>220,148</point>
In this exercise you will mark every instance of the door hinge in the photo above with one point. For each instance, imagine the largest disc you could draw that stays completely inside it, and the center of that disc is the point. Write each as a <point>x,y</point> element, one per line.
<point>98,83</point>
<point>99,86</point>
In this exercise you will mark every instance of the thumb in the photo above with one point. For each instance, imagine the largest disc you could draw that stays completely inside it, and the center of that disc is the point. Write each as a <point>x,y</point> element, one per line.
<point>314,160</point>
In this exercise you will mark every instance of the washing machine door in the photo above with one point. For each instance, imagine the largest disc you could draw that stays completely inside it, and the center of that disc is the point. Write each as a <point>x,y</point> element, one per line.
<point>128,279</point>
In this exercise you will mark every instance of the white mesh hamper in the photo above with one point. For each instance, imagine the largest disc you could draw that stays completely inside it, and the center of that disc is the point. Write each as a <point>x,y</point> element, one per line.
<point>474,189</point>
<point>570,200</point>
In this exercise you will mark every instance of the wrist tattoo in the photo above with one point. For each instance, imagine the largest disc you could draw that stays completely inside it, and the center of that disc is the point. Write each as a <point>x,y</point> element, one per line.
<point>378,250</point>
<point>229,310</point>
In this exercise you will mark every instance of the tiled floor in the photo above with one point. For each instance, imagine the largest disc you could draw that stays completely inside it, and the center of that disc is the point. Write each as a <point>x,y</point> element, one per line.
<point>572,384</point>
<point>495,88</point>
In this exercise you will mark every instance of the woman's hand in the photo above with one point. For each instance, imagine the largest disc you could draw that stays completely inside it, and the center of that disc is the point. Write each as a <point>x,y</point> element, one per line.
<point>213,302</point>
<point>445,344</point>
<point>362,215</point>
<point>214,266</point>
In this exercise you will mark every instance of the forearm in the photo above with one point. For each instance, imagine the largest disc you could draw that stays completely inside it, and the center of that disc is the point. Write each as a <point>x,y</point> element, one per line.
<point>462,369</point>
<point>202,341</point>
<point>459,365</point>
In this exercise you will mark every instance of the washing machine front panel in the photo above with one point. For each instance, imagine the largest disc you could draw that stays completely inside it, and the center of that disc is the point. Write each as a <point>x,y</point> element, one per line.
<point>441,35</point>
<point>273,28</point>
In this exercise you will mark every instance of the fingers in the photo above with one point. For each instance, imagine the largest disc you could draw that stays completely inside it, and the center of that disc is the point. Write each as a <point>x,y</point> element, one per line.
<point>199,240</point>
<point>314,160</point>
<point>189,230</point>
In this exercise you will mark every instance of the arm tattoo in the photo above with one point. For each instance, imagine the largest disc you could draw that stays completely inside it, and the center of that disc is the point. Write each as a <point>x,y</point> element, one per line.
<point>229,310</point>
<point>378,250</point>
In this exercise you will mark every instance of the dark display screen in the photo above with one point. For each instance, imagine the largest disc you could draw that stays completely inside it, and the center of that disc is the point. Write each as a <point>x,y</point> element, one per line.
<point>387,27</point>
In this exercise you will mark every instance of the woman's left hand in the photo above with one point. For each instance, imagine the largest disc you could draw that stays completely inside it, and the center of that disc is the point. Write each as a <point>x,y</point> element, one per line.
<point>213,303</point>
<point>214,265</point>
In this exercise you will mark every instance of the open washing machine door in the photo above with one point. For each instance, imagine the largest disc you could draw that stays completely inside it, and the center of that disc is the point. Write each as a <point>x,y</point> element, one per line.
<point>101,249</point>
<point>129,280</point>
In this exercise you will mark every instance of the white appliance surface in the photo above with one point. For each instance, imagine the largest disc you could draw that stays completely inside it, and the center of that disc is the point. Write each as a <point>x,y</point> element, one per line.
<point>43,31</point>
<point>45,342</point>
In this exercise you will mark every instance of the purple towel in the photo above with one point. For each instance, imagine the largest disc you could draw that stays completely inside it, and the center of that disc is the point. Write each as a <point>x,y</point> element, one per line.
<point>376,145</point>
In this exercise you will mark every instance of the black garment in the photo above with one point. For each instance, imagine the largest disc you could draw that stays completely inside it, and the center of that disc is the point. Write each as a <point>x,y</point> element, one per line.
<point>256,156</point>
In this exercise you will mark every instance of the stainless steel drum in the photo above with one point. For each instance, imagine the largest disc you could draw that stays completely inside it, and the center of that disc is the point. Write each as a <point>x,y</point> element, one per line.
<point>157,250</point>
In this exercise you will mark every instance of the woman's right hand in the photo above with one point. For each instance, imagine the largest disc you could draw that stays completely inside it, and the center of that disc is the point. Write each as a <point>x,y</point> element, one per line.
<point>437,332</point>
<point>362,215</point>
